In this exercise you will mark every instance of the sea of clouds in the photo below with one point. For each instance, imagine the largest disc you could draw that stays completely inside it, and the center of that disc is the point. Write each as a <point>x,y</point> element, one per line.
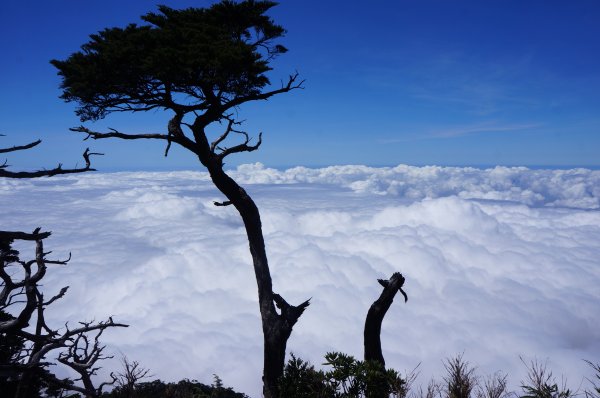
<point>499,263</point>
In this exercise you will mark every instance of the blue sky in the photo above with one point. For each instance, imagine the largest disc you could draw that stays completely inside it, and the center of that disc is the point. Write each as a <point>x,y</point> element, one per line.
<point>387,82</point>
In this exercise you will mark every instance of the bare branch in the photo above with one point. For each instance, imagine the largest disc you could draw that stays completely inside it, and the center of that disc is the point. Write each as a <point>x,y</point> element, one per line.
<point>180,139</point>
<point>131,374</point>
<point>215,143</point>
<point>290,313</point>
<point>82,352</point>
<point>86,157</point>
<point>241,147</point>
<point>51,172</point>
<point>14,235</point>
<point>58,296</point>
<point>20,147</point>
<point>116,134</point>
<point>291,84</point>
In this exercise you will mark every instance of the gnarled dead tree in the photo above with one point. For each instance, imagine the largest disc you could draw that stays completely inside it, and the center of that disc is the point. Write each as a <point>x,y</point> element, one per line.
<point>25,337</point>
<point>23,325</point>
<point>377,311</point>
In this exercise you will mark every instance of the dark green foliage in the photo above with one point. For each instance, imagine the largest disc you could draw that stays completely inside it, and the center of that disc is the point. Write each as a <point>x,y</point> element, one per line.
<point>205,55</point>
<point>347,378</point>
<point>182,389</point>
<point>301,380</point>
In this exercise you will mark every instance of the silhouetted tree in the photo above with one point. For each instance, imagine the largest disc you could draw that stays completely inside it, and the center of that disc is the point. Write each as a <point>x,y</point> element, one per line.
<point>128,379</point>
<point>24,347</point>
<point>200,65</point>
<point>372,331</point>
<point>181,389</point>
<point>377,311</point>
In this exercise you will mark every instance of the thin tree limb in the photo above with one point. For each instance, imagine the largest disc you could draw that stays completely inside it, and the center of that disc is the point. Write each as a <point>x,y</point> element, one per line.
<point>20,147</point>
<point>50,172</point>
<point>292,84</point>
<point>180,139</point>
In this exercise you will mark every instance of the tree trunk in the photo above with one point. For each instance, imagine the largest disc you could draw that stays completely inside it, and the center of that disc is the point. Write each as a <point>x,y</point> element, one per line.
<point>372,334</point>
<point>277,327</point>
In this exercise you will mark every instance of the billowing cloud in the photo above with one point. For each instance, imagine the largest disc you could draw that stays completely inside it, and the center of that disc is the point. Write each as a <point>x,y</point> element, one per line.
<point>499,263</point>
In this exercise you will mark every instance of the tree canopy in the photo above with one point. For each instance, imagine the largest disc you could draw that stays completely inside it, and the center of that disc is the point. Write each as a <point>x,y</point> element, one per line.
<point>185,60</point>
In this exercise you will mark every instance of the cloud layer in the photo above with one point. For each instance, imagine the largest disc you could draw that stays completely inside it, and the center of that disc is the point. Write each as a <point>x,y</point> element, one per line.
<point>499,263</point>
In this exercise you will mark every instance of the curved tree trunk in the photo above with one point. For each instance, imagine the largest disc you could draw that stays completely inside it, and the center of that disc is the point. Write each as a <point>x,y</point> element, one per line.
<point>277,327</point>
<point>372,333</point>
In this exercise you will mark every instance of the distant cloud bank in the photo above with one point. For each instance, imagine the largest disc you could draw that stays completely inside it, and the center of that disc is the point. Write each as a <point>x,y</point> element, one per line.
<point>578,188</point>
<point>499,263</point>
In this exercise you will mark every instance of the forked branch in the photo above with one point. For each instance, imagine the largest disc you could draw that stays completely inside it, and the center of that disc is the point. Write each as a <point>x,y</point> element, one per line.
<point>46,172</point>
<point>220,152</point>
<point>243,147</point>
<point>290,313</point>
<point>222,137</point>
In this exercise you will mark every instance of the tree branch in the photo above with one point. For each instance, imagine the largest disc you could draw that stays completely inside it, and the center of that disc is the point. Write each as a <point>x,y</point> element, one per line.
<point>20,147</point>
<point>215,143</point>
<point>28,364</point>
<point>290,313</point>
<point>292,84</point>
<point>14,235</point>
<point>180,139</point>
<point>86,157</point>
<point>51,172</point>
<point>241,147</point>
<point>58,296</point>
<point>116,134</point>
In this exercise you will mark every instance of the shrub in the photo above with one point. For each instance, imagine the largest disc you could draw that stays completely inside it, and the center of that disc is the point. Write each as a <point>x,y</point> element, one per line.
<point>348,377</point>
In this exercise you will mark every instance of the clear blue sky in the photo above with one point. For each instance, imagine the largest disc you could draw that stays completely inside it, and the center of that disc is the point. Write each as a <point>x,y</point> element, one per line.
<point>508,82</point>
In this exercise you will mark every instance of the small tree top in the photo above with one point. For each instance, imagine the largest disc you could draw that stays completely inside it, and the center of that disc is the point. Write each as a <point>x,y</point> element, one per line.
<point>184,60</point>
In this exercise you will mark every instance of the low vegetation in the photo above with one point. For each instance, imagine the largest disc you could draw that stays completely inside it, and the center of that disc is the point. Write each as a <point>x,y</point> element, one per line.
<point>346,377</point>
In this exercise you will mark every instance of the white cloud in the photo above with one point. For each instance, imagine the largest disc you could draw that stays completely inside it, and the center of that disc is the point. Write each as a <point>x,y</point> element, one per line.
<point>499,263</point>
